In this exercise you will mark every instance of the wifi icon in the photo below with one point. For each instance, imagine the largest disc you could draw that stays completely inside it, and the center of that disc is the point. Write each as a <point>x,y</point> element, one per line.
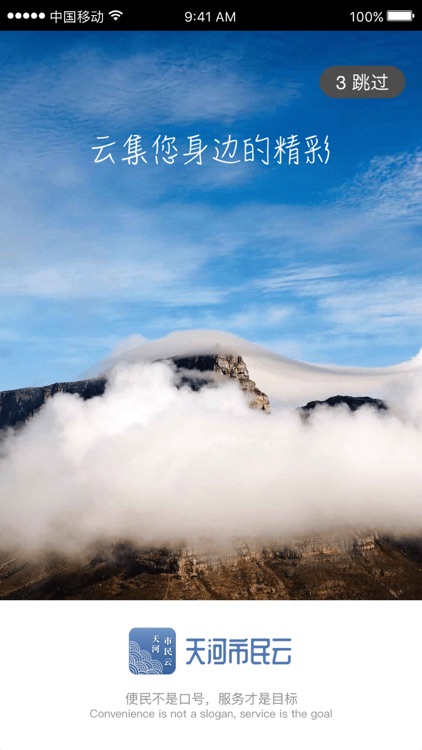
<point>115,14</point>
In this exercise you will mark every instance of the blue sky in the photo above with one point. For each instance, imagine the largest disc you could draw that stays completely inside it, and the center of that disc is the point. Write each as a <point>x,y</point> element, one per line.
<point>318,262</point>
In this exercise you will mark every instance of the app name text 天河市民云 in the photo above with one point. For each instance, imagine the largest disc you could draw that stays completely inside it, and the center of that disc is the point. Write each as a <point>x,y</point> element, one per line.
<point>239,651</point>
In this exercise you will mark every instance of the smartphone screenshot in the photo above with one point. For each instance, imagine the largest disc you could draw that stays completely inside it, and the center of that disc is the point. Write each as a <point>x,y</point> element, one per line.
<point>210,377</point>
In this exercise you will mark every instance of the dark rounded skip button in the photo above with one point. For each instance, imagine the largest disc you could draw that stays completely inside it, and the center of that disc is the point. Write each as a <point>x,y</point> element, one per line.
<point>362,81</point>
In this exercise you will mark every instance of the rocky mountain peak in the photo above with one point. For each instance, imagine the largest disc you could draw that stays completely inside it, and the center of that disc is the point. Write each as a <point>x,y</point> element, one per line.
<point>353,403</point>
<point>16,406</point>
<point>199,370</point>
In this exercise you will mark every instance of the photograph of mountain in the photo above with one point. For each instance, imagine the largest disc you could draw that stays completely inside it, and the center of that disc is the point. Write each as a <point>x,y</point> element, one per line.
<point>172,475</point>
<point>211,319</point>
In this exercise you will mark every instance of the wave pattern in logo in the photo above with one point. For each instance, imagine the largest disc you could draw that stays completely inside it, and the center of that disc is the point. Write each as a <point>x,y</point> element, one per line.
<point>141,661</point>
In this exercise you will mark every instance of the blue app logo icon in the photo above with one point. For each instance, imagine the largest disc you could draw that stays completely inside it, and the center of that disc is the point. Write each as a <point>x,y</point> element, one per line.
<point>152,651</point>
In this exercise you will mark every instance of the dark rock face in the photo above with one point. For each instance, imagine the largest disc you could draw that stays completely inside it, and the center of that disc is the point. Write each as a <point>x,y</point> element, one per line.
<point>17,406</point>
<point>352,402</point>
<point>346,566</point>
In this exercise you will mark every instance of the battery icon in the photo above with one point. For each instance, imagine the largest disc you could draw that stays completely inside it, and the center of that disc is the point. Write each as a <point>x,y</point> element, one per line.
<point>400,15</point>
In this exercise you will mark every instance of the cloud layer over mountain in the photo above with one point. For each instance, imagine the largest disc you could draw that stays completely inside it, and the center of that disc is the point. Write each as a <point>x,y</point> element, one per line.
<point>157,464</point>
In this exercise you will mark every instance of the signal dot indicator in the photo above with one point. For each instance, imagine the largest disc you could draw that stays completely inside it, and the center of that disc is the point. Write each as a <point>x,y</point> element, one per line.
<point>26,16</point>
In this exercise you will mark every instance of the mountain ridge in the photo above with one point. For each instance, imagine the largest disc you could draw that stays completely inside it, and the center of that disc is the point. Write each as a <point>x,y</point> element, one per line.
<point>346,564</point>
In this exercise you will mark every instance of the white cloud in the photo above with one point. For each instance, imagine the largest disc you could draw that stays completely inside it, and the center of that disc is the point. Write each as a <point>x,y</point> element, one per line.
<point>155,464</point>
<point>112,281</point>
<point>351,301</point>
<point>301,279</point>
<point>391,186</point>
<point>151,88</point>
